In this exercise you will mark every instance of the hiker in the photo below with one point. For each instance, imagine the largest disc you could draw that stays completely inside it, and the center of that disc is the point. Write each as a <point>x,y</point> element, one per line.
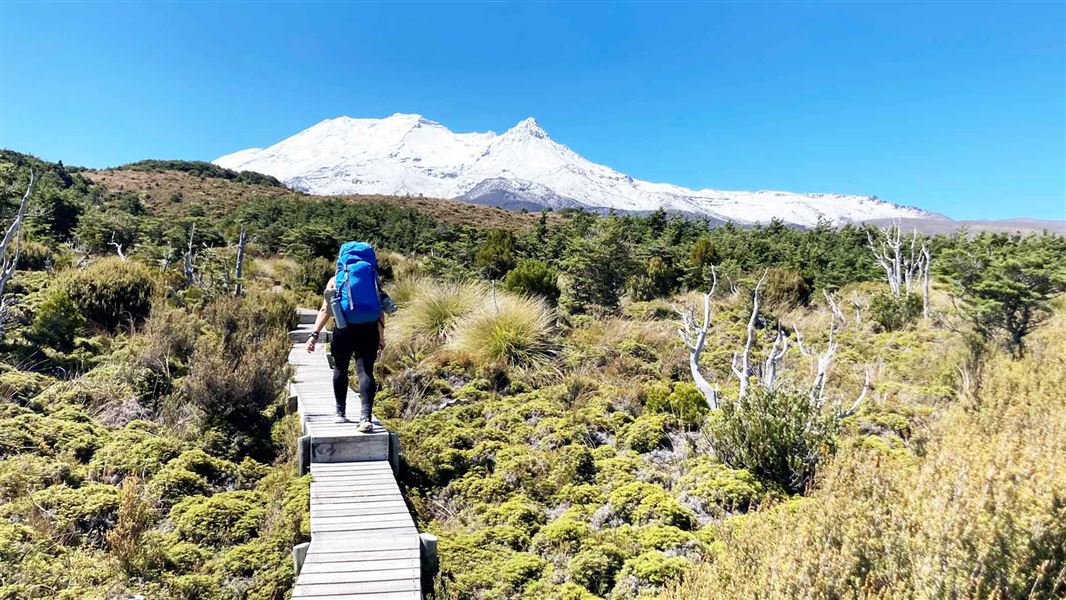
<point>356,302</point>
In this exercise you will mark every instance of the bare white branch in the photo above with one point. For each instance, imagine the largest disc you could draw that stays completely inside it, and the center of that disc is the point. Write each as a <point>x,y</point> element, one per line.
<point>773,360</point>
<point>866,387</point>
<point>694,335</point>
<point>118,246</point>
<point>745,357</point>
<point>8,265</point>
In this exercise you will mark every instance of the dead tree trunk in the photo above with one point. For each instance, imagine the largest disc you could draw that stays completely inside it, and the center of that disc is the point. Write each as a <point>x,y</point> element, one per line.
<point>8,264</point>
<point>693,334</point>
<point>118,246</point>
<point>239,269</point>
<point>188,267</point>
<point>744,369</point>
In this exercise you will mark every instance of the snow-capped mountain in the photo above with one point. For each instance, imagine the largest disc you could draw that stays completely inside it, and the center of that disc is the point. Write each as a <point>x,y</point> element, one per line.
<point>521,168</point>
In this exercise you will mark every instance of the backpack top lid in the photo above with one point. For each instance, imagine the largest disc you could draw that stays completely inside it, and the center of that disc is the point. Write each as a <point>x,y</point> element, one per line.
<point>352,252</point>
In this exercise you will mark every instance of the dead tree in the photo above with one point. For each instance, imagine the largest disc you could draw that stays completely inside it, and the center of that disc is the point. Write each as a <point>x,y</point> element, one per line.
<point>693,334</point>
<point>11,236</point>
<point>239,269</point>
<point>743,370</point>
<point>118,246</point>
<point>905,262</point>
<point>190,273</point>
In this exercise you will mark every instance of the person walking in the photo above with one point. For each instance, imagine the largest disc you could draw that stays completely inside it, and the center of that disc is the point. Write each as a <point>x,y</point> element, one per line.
<point>354,299</point>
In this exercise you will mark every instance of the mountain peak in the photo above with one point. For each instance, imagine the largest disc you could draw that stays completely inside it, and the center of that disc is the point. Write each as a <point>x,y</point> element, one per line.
<point>407,154</point>
<point>529,126</point>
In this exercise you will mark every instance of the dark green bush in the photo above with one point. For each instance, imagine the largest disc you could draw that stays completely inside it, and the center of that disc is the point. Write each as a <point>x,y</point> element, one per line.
<point>780,435</point>
<point>685,401</point>
<point>34,256</point>
<point>534,277</point>
<point>113,292</point>
<point>313,274</point>
<point>893,313</point>
<point>57,321</point>
<point>785,289</point>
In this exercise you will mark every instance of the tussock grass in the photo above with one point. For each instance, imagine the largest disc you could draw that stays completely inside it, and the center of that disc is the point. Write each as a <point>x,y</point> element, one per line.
<point>514,331</point>
<point>980,513</point>
<point>405,289</point>
<point>435,308</point>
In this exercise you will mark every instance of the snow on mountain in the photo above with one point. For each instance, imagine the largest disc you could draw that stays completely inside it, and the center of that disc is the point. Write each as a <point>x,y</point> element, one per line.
<point>521,168</point>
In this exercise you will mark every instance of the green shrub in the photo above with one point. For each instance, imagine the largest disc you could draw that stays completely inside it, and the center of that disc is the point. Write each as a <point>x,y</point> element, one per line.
<point>137,449</point>
<point>564,535</point>
<point>89,509</point>
<point>684,401</point>
<point>534,278</point>
<point>49,436</point>
<point>193,472</point>
<point>664,538</point>
<point>640,503</point>
<point>57,321</point>
<point>648,432</point>
<point>496,256</point>
<point>521,568</point>
<point>595,567</point>
<point>780,435</point>
<point>34,256</point>
<point>891,313</point>
<point>21,386</point>
<point>785,289</point>
<point>716,485</point>
<point>312,275</point>
<point>520,512</point>
<point>25,473</point>
<point>224,519</point>
<point>654,569</point>
<point>113,292</point>
<point>513,331</point>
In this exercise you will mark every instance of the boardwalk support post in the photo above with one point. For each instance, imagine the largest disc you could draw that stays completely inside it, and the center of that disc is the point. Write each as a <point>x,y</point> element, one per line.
<point>429,563</point>
<point>292,405</point>
<point>394,453</point>
<point>299,553</point>
<point>303,455</point>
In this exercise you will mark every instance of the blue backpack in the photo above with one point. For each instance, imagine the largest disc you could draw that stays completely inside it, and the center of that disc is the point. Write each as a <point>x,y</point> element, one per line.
<point>357,283</point>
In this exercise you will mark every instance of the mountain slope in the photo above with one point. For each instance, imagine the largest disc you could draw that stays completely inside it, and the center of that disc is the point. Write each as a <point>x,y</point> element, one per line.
<point>523,167</point>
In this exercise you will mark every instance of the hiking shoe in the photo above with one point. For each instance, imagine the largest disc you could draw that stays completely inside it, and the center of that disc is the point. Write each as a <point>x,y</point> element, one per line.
<point>365,426</point>
<point>340,418</point>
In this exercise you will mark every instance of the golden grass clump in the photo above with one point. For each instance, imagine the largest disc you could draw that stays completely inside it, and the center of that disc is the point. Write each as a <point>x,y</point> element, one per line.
<point>434,308</point>
<point>513,331</point>
<point>980,513</point>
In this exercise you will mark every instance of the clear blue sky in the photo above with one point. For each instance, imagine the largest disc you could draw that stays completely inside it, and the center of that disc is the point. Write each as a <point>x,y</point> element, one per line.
<point>955,107</point>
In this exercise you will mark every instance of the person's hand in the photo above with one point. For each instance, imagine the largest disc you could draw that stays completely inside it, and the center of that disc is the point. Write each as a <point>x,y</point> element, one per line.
<point>311,344</point>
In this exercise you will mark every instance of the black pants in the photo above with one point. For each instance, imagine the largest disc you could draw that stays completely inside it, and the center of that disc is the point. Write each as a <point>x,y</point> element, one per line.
<point>358,341</point>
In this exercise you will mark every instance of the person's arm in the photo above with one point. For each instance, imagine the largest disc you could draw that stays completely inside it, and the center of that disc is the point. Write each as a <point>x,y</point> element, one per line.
<point>320,321</point>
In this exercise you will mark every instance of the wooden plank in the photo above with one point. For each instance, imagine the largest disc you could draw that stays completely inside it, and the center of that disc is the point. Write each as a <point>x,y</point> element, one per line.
<point>346,555</point>
<point>369,536</point>
<point>360,565</point>
<point>375,596</point>
<point>342,575</point>
<point>369,587</point>
<point>357,519</point>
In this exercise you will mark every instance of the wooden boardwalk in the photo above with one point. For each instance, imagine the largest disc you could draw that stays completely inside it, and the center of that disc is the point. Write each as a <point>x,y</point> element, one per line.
<point>364,543</point>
